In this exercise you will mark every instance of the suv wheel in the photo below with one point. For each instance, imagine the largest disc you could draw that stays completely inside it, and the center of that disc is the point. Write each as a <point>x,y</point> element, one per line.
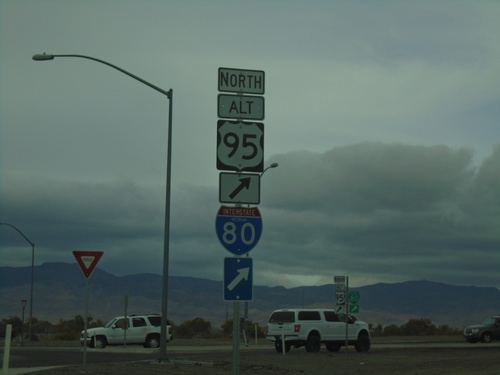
<point>362,343</point>
<point>313,343</point>
<point>98,342</point>
<point>279,346</point>
<point>486,337</point>
<point>152,341</point>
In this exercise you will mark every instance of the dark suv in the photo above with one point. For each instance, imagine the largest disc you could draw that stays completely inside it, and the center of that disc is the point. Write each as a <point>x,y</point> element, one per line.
<point>487,331</point>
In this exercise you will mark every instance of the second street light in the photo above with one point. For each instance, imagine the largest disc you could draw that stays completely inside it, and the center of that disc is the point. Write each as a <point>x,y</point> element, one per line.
<point>30,332</point>
<point>166,240</point>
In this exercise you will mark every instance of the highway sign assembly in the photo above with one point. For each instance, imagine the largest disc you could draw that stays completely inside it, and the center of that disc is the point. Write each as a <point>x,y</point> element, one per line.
<point>238,228</point>
<point>239,188</point>
<point>238,279</point>
<point>240,146</point>
<point>87,260</point>
<point>240,107</point>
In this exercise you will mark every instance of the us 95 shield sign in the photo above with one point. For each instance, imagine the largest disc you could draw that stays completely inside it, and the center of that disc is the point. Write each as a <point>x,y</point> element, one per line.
<point>240,146</point>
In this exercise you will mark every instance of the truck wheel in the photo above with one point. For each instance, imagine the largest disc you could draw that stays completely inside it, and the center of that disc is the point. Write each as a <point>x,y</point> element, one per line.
<point>362,343</point>
<point>313,343</point>
<point>279,346</point>
<point>332,347</point>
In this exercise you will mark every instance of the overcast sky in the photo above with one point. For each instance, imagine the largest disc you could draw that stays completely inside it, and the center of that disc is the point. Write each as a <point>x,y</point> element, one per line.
<point>383,117</point>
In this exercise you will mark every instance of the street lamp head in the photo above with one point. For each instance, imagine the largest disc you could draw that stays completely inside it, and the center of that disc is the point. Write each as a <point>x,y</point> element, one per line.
<point>42,57</point>
<point>273,165</point>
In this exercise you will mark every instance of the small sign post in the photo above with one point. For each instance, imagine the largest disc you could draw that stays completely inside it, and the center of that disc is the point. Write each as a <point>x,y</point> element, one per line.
<point>87,260</point>
<point>342,294</point>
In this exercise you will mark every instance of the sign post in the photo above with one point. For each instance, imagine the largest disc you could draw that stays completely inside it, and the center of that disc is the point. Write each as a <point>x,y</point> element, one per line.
<point>87,260</point>
<point>240,148</point>
<point>342,293</point>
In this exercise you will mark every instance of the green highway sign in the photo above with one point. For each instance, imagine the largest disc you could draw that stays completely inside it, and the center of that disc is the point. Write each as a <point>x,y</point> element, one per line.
<point>354,297</point>
<point>354,309</point>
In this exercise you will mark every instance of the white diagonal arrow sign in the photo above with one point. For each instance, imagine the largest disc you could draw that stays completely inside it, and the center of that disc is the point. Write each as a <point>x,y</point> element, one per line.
<point>242,274</point>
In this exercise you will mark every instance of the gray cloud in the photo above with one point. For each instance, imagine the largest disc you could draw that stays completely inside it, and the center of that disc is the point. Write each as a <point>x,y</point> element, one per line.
<point>378,212</point>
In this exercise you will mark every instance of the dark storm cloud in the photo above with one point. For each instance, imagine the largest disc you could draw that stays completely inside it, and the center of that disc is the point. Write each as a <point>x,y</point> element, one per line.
<point>374,211</point>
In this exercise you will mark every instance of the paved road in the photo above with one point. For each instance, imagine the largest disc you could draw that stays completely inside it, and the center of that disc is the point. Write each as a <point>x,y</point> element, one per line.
<point>25,359</point>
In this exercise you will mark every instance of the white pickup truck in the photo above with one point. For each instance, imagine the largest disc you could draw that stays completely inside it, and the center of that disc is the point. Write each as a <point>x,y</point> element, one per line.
<point>313,327</point>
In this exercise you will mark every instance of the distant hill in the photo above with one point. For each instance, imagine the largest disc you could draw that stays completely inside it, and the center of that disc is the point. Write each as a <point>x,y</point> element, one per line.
<point>59,294</point>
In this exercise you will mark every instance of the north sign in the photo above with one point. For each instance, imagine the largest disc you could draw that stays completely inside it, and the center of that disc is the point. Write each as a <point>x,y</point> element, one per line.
<point>240,146</point>
<point>238,228</point>
<point>238,279</point>
<point>240,107</point>
<point>241,81</point>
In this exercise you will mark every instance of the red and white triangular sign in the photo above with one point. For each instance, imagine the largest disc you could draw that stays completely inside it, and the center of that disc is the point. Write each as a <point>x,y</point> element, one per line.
<point>87,260</point>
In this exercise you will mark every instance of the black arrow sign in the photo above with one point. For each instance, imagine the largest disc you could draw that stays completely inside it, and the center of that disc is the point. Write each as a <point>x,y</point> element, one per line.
<point>244,184</point>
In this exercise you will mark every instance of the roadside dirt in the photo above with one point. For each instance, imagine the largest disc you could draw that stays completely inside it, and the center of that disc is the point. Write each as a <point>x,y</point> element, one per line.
<point>478,359</point>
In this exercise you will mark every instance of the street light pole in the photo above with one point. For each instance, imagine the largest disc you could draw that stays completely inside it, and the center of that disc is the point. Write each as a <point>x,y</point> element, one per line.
<point>32,275</point>
<point>166,240</point>
<point>272,165</point>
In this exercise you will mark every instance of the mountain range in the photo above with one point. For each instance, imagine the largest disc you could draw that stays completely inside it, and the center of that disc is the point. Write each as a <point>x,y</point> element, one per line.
<point>59,293</point>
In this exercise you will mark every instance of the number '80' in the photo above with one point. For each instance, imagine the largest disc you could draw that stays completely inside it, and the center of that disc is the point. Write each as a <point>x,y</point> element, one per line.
<point>246,233</point>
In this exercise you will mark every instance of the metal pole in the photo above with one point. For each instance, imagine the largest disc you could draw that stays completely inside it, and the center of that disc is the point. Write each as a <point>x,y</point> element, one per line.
<point>32,276</point>
<point>23,305</point>
<point>31,290</point>
<point>166,243</point>
<point>236,339</point>
<point>346,312</point>
<point>86,324</point>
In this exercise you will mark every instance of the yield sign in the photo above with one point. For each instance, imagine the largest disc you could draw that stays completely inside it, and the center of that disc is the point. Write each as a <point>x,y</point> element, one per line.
<point>87,260</point>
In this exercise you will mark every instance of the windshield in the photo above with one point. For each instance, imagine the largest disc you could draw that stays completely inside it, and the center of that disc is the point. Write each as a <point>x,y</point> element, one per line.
<point>282,317</point>
<point>489,322</point>
<point>110,323</point>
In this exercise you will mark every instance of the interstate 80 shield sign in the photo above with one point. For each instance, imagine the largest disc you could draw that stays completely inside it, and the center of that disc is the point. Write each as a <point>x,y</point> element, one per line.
<point>238,228</point>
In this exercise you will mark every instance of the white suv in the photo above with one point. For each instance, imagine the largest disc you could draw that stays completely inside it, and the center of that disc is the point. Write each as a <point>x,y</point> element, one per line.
<point>312,327</point>
<point>133,329</point>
